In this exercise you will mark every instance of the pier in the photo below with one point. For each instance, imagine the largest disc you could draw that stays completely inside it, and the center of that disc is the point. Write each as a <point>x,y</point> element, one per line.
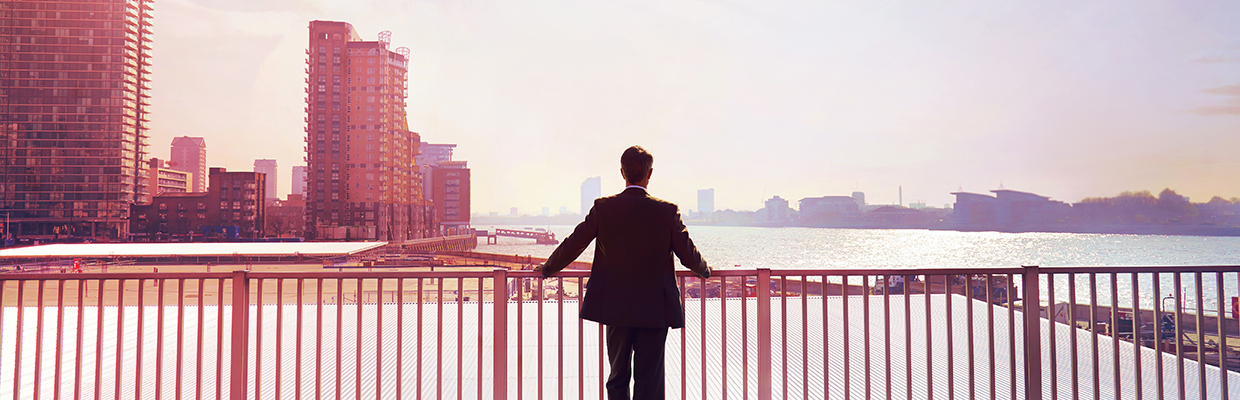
<point>539,237</point>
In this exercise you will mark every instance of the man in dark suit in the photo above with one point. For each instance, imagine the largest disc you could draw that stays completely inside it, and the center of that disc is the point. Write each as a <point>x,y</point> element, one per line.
<point>632,289</point>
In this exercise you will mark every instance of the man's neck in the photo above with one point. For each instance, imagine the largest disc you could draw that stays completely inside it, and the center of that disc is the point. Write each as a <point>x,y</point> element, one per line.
<point>635,186</point>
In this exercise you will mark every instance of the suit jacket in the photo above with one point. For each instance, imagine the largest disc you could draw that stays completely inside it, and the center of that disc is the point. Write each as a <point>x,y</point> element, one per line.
<point>632,282</point>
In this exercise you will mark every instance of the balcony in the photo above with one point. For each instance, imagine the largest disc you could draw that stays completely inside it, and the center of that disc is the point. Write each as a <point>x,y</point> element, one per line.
<point>508,334</point>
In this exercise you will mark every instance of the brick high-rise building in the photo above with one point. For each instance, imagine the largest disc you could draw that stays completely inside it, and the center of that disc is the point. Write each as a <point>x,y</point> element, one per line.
<point>74,92</point>
<point>360,168</point>
<point>189,154</point>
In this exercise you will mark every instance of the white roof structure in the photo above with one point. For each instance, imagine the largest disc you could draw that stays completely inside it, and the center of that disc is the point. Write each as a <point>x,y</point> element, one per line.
<point>581,362</point>
<point>245,249</point>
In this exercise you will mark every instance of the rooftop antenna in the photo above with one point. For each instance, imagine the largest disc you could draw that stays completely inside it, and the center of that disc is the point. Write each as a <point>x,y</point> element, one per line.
<point>1001,185</point>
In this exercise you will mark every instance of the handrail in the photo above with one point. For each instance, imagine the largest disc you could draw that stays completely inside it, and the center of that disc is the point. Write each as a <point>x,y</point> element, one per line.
<point>775,295</point>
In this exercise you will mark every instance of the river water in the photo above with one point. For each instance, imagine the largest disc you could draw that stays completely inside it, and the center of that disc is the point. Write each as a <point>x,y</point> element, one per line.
<point>815,248</point>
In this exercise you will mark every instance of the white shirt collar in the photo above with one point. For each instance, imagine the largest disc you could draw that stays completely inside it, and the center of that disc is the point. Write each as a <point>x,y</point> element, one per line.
<point>635,186</point>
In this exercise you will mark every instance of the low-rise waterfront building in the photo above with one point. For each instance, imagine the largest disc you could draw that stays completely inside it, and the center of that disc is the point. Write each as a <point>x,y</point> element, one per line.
<point>233,204</point>
<point>776,210</point>
<point>828,210</point>
<point>1007,210</point>
<point>162,178</point>
<point>285,218</point>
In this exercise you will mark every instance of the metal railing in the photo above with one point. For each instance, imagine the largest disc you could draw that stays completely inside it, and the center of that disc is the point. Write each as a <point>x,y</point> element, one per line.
<point>761,334</point>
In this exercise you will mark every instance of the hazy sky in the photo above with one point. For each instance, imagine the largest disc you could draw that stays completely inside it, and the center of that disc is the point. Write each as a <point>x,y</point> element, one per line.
<point>1067,99</point>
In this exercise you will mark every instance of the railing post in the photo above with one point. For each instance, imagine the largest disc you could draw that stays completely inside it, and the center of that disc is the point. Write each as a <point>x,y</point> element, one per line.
<point>1033,333</point>
<point>500,288</point>
<point>240,335</point>
<point>763,291</point>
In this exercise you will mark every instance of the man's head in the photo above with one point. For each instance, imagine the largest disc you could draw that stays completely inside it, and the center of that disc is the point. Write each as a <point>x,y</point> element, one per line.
<point>636,164</point>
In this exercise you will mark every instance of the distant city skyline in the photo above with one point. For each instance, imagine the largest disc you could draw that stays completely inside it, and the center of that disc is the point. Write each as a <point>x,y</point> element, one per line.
<point>1070,100</point>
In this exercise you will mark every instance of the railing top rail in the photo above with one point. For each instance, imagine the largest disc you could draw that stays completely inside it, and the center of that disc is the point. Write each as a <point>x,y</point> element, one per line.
<point>374,274</point>
<point>575,273</point>
<point>1139,269</point>
<point>38,276</point>
<point>893,271</point>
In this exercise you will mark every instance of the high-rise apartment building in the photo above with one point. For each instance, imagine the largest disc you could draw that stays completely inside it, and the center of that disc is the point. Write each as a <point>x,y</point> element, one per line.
<point>268,167</point>
<point>299,181</point>
<point>189,154</point>
<point>361,170</point>
<point>74,92</point>
<point>591,189</point>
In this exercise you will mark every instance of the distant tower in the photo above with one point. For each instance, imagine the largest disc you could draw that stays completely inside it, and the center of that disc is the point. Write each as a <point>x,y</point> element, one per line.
<point>706,201</point>
<point>591,189</point>
<point>859,198</point>
<point>189,154</point>
<point>299,180</point>
<point>901,196</point>
<point>268,167</point>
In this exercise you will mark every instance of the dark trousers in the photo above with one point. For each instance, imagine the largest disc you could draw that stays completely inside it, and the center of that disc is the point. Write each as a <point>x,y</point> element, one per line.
<point>635,353</point>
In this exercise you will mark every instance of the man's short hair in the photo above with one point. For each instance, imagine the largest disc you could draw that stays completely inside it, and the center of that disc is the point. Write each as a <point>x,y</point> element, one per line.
<point>636,162</point>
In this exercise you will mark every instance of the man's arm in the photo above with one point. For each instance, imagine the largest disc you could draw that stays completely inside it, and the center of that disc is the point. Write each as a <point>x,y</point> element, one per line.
<point>683,246</point>
<point>572,246</point>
